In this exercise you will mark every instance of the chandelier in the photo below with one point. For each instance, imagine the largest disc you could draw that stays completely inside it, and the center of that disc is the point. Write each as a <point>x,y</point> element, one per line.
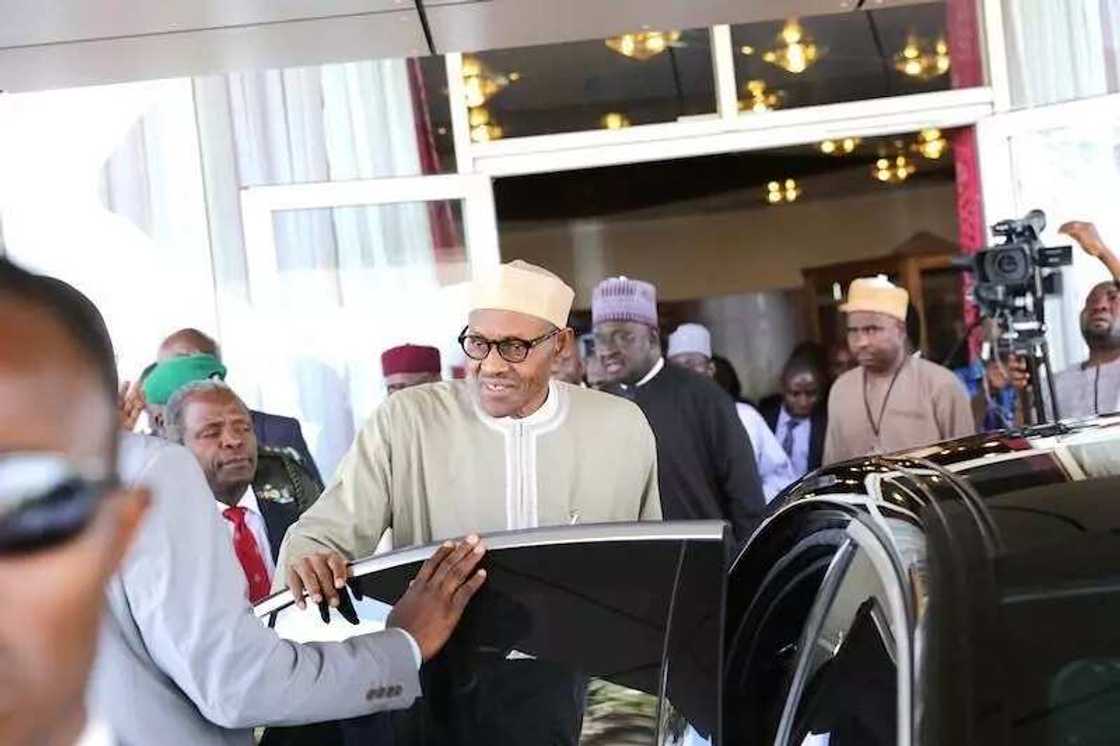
<point>643,45</point>
<point>482,127</point>
<point>795,51</point>
<point>893,170</point>
<point>758,98</point>
<point>480,84</point>
<point>778,192</point>
<point>922,59</point>
<point>931,144</point>
<point>614,121</point>
<point>846,146</point>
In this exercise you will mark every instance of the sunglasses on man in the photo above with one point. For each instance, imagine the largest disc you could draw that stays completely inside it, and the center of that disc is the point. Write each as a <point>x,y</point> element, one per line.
<point>45,500</point>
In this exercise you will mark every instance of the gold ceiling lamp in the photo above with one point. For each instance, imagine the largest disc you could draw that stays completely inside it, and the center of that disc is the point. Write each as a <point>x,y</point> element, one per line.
<point>923,59</point>
<point>843,146</point>
<point>614,121</point>
<point>643,45</point>
<point>893,170</point>
<point>796,51</point>
<point>481,84</point>
<point>482,126</point>
<point>931,144</point>
<point>757,98</point>
<point>778,192</point>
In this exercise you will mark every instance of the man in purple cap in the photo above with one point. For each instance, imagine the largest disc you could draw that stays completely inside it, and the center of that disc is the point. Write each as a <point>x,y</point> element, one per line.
<point>705,462</point>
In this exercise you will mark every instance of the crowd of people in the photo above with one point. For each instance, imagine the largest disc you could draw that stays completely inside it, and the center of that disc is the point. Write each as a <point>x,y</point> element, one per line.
<point>174,534</point>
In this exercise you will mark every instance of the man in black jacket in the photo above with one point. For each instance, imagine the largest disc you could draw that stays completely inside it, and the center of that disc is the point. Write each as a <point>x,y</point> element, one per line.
<point>705,462</point>
<point>798,415</point>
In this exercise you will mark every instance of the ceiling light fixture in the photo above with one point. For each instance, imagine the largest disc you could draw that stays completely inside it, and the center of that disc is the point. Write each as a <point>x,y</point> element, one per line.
<point>845,146</point>
<point>758,99</point>
<point>614,120</point>
<point>931,144</point>
<point>778,192</point>
<point>643,45</point>
<point>922,59</point>
<point>893,170</point>
<point>795,51</point>
<point>482,127</point>
<point>480,84</point>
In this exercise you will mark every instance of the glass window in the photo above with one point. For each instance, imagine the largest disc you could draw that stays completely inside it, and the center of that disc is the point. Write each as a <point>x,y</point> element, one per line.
<point>840,57</point>
<point>564,644</point>
<point>354,120</point>
<point>642,78</point>
<point>348,283</point>
<point>1060,50</point>
<point>850,685</point>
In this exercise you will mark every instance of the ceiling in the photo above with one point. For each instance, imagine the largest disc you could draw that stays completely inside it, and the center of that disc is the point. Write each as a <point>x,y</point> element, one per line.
<point>64,43</point>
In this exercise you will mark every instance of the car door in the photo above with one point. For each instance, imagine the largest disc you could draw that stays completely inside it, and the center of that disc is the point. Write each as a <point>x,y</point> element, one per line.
<point>607,634</point>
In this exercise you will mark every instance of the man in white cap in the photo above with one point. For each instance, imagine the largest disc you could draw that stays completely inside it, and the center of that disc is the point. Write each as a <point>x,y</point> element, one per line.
<point>690,347</point>
<point>892,400</point>
<point>705,461</point>
<point>504,449</point>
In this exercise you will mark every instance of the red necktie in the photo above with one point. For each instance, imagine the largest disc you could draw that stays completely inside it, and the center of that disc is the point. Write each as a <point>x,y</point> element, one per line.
<point>249,554</point>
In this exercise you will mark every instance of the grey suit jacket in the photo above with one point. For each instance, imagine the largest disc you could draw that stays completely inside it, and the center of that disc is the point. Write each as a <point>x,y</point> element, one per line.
<point>182,659</point>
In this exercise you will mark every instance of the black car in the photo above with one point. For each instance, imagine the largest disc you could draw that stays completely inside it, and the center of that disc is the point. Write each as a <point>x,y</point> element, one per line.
<point>965,593</point>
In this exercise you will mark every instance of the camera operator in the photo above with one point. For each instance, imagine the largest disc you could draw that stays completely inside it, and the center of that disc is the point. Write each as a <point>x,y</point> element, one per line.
<point>1093,387</point>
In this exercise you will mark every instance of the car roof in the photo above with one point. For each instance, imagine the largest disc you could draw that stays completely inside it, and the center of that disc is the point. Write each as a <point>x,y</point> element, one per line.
<point>1064,476</point>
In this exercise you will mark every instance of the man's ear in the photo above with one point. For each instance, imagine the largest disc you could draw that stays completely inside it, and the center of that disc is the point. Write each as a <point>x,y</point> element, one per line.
<point>564,342</point>
<point>124,512</point>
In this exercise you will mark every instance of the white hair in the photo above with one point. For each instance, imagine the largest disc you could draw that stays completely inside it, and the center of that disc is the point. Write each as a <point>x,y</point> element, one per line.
<point>177,405</point>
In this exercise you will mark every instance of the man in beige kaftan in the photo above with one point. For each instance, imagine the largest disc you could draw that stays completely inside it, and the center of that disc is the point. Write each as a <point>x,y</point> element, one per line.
<point>505,449</point>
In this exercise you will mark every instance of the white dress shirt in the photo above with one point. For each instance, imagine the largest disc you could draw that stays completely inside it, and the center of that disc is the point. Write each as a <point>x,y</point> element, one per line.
<point>774,468</point>
<point>254,519</point>
<point>802,429</point>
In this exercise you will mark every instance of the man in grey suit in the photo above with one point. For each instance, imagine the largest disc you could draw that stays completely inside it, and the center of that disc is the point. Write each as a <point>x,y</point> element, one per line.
<point>182,659</point>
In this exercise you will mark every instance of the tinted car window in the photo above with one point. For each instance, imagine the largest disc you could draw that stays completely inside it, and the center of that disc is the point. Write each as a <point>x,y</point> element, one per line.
<point>850,690</point>
<point>564,644</point>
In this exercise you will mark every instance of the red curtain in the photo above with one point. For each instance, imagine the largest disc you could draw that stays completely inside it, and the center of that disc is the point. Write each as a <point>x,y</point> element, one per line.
<point>446,237</point>
<point>967,71</point>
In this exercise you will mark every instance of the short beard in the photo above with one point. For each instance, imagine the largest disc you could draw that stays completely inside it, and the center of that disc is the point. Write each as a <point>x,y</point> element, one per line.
<point>1105,340</point>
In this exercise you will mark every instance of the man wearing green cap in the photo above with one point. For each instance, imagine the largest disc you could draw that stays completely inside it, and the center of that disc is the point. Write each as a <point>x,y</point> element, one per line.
<point>272,430</point>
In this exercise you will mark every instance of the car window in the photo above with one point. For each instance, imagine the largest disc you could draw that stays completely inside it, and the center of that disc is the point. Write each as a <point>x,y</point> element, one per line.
<point>846,692</point>
<point>566,643</point>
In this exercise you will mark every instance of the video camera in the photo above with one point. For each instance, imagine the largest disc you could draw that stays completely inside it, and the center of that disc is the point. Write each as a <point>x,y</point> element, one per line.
<point>1012,281</point>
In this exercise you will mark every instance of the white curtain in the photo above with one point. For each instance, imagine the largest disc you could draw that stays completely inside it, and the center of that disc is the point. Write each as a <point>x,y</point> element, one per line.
<point>1060,50</point>
<point>354,280</point>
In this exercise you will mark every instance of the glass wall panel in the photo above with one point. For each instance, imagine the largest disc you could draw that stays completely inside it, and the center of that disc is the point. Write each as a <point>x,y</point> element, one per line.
<point>854,56</point>
<point>1060,50</point>
<point>642,78</point>
<point>354,281</point>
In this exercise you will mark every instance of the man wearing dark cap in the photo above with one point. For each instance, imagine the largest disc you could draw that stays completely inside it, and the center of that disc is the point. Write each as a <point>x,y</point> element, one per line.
<point>409,365</point>
<point>705,462</point>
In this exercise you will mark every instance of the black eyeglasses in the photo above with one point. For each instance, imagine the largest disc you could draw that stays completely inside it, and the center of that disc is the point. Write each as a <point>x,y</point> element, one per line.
<point>510,349</point>
<point>44,500</point>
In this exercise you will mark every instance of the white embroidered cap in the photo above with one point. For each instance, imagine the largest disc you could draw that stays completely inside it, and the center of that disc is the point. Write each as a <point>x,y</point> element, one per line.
<point>524,288</point>
<point>690,338</point>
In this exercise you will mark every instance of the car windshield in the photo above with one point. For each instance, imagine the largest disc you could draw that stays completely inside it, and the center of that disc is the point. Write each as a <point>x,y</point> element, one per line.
<point>567,642</point>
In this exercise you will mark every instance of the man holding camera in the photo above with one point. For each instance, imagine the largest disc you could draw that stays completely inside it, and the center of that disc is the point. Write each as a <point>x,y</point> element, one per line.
<point>1093,387</point>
